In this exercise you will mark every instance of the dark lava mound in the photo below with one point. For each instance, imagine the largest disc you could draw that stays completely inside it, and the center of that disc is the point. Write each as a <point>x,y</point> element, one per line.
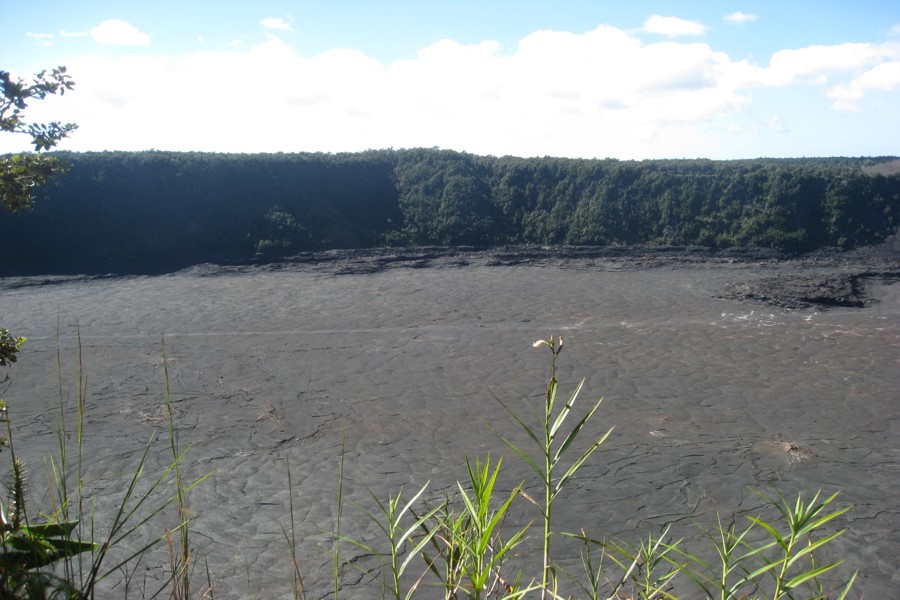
<point>802,291</point>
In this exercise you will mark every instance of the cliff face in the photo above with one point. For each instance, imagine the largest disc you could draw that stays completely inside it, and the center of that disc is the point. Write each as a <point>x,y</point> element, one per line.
<point>158,210</point>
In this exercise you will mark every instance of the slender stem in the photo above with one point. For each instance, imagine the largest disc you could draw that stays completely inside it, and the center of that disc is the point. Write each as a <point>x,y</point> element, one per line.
<point>395,567</point>
<point>548,471</point>
<point>548,503</point>
<point>340,508</point>
<point>181,572</point>
<point>81,398</point>
<point>784,565</point>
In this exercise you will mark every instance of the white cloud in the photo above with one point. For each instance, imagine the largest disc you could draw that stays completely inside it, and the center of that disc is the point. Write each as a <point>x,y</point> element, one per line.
<point>884,77</point>
<point>119,33</point>
<point>599,93</point>
<point>672,26</point>
<point>740,17</point>
<point>814,64</point>
<point>277,23</point>
<point>555,87</point>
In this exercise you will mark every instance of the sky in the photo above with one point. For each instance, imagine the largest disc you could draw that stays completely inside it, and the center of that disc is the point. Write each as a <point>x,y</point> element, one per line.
<point>579,78</point>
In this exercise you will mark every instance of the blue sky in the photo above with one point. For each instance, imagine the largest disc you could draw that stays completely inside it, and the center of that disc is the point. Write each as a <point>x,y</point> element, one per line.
<point>629,80</point>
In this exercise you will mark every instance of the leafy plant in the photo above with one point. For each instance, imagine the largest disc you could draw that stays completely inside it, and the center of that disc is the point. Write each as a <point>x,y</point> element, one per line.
<point>9,347</point>
<point>593,582</point>
<point>57,558</point>
<point>779,564</point>
<point>391,522</point>
<point>28,548</point>
<point>730,577</point>
<point>484,549</point>
<point>470,543</point>
<point>647,568</point>
<point>793,565</point>
<point>553,443</point>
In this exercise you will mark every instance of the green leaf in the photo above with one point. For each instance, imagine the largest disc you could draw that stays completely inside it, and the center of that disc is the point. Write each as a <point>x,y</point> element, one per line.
<point>59,529</point>
<point>809,548</point>
<point>810,575</point>
<point>417,549</point>
<point>530,461</point>
<point>577,464</point>
<point>771,530</point>
<point>576,430</point>
<point>561,417</point>
<point>522,423</point>
<point>846,589</point>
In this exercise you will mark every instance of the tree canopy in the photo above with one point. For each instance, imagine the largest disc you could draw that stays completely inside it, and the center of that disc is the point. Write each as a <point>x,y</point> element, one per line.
<point>168,207</point>
<point>21,173</point>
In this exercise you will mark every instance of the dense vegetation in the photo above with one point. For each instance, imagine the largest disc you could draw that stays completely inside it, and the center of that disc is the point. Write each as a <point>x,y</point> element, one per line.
<point>152,207</point>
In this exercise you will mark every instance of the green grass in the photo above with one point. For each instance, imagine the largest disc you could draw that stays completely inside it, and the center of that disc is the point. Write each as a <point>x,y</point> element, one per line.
<point>69,554</point>
<point>457,547</point>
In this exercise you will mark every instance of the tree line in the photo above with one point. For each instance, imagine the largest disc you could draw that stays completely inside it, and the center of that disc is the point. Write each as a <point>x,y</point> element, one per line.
<point>172,207</point>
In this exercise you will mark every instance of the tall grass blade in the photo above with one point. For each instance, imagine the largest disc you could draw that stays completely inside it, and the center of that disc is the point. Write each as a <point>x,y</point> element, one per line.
<point>297,586</point>
<point>561,417</point>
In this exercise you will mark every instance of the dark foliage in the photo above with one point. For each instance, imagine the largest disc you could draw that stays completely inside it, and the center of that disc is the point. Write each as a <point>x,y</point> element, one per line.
<point>162,208</point>
<point>20,174</point>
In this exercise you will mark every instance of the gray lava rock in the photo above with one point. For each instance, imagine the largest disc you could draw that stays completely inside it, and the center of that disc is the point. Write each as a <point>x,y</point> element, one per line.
<point>801,291</point>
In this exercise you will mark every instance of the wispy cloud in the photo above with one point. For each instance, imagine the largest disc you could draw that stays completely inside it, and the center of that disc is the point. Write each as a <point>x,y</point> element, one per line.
<point>119,33</point>
<point>884,77</point>
<point>775,123</point>
<point>817,64</point>
<point>740,17</point>
<point>672,26</point>
<point>277,23</point>
<point>41,39</point>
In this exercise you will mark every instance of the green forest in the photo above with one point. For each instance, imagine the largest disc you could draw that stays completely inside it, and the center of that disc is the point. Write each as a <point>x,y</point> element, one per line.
<point>173,208</point>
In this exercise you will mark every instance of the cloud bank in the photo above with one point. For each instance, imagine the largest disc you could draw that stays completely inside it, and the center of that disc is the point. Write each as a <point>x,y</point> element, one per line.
<point>605,92</point>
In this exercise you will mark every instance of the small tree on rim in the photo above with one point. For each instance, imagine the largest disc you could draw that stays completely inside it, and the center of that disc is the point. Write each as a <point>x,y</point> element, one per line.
<point>21,173</point>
